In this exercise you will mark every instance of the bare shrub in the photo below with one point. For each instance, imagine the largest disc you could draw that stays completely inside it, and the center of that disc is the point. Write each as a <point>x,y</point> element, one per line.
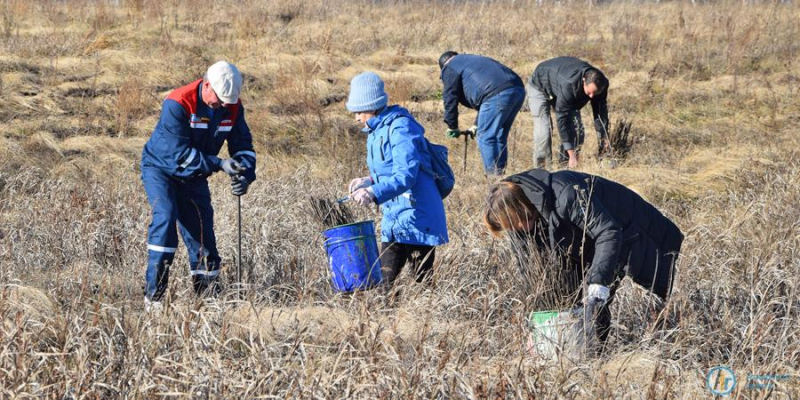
<point>132,102</point>
<point>619,139</point>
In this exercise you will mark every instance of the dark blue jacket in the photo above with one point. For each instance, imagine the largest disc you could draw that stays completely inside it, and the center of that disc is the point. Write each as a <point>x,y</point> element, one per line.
<point>470,80</point>
<point>561,80</point>
<point>188,137</point>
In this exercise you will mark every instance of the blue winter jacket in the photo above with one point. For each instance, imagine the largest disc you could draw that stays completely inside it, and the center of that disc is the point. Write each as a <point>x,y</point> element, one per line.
<point>470,80</point>
<point>189,136</point>
<point>397,157</point>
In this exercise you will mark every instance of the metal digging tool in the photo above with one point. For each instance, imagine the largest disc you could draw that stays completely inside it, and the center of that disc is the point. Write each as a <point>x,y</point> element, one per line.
<point>234,178</point>
<point>466,147</point>
<point>455,134</point>
<point>467,134</point>
<point>239,249</point>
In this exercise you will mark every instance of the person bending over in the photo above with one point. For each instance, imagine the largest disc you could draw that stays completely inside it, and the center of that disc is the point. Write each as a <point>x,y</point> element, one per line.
<point>600,228</point>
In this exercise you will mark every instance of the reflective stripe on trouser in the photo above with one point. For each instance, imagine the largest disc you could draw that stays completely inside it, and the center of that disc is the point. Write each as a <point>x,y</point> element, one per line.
<point>189,205</point>
<point>494,124</point>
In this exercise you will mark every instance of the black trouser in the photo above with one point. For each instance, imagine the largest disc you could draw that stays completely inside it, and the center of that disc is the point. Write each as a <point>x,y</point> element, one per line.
<point>571,283</point>
<point>603,320</point>
<point>395,255</point>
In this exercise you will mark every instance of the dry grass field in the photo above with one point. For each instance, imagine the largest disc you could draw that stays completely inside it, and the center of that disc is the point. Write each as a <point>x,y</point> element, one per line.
<point>713,91</point>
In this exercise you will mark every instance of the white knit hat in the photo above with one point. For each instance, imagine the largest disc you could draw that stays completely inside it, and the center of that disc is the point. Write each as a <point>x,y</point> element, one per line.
<point>226,81</point>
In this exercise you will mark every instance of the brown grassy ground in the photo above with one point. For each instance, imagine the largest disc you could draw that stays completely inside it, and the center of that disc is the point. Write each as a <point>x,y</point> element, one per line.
<point>712,91</point>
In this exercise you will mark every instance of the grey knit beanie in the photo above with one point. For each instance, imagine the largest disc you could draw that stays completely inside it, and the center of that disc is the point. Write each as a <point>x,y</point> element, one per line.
<point>366,93</point>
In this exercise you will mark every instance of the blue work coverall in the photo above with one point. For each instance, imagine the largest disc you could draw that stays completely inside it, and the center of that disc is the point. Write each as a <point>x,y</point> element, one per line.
<point>176,162</point>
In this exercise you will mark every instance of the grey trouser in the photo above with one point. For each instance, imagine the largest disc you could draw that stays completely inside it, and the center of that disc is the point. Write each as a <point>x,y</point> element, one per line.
<point>540,106</point>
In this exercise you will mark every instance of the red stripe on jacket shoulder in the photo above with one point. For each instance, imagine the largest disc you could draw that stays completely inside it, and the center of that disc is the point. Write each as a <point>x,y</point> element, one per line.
<point>188,97</point>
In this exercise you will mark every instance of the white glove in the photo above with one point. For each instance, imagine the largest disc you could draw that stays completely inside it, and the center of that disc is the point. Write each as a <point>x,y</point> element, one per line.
<point>231,166</point>
<point>359,183</point>
<point>363,197</point>
<point>596,295</point>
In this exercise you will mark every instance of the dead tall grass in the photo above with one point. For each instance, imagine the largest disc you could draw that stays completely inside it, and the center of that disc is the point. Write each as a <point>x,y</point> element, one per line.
<point>712,89</point>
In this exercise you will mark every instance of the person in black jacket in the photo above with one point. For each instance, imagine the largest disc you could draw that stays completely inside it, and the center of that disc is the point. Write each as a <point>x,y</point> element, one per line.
<point>566,84</point>
<point>604,229</point>
<point>493,89</point>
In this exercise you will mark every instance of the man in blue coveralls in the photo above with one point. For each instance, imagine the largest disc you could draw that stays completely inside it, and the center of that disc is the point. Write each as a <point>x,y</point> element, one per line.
<point>176,162</point>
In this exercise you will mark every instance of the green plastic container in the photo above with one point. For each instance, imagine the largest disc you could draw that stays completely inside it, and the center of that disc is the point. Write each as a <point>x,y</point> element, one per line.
<point>555,333</point>
<point>544,336</point>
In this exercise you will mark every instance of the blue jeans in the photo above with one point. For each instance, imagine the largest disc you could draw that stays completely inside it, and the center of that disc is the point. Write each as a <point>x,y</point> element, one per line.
<point>187,204</point>
<point>494,123</point>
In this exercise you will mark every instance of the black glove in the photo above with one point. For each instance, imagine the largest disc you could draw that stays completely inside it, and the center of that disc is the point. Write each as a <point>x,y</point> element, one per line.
<point>239,185</point>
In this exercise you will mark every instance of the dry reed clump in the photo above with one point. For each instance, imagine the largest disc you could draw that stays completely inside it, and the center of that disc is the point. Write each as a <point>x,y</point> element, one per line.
<point>131,105</point>
<point>715,106</point>
<point>620,141</point>
<point>29,306</point>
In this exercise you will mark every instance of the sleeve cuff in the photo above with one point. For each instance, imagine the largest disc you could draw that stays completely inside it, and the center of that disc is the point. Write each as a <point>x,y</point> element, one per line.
<point>217,162</point>
<point>600,128</point>
<point>567,145</point>
<point>377,191</point>
<point>598,279</point>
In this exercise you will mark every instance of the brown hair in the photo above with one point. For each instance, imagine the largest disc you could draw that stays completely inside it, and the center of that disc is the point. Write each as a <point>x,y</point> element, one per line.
<point>506,207</point>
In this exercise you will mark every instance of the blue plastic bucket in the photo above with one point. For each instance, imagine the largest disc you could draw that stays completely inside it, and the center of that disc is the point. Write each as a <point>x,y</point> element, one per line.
<point>353,256</point>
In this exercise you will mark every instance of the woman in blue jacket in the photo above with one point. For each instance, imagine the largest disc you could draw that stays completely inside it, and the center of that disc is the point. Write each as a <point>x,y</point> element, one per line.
<point>398,160</point>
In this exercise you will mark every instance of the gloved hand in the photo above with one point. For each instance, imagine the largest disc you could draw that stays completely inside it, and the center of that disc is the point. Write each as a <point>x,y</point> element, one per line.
<point>596,295</point>
<point>473,131</point>
<point>359,183</point>
<point>363,197</point>
<point>232,167</point>
<point>239,185</point>
<point>453,133</point>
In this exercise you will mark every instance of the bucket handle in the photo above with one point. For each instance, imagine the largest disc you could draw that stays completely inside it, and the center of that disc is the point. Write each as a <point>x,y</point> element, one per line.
<point>328,243</point>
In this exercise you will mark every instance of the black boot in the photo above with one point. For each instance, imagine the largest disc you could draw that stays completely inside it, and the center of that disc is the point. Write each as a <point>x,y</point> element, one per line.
<point>204,287</point>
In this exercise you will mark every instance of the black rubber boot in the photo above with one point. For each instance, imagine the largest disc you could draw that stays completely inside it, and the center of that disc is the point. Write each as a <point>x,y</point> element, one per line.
<point>204,287</point>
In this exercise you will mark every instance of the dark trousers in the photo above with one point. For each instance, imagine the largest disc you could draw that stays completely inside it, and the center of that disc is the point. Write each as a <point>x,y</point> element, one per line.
<point>395,255</point>
<point>185,207</point>
<point>603,320</point>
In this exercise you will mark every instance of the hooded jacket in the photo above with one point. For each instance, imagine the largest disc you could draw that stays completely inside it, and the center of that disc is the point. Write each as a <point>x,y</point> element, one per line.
<point>397,154</point>
<point>561,80</point>
<point>606,224</point>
